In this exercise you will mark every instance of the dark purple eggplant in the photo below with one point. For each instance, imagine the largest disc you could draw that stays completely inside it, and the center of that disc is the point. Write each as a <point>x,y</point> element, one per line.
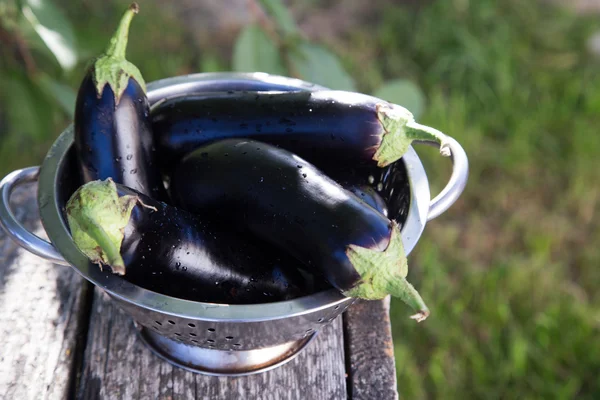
<point>369,195</point>
<point>282,199</point>
<point>173,252</point>
<point>324,127</point>
<point>113,134</point>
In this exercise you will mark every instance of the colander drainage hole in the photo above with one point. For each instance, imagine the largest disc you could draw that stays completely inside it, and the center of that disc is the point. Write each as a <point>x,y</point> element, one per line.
<point>193,334</point>
<point>309,330</point>
<point>158,323</point>
<point>237,344</point>
<point>210,340</point>
<point>321,320</point>
<point>211,329</point>
<point>195,341</point>
<point>177,334</point>
<point>171,322</point>
<point>229,337</point>
<point>336,307</point>
<point>191,325</point>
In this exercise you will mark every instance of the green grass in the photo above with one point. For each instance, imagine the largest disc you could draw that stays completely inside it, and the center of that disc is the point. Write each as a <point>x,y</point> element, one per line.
<point>511,272</point>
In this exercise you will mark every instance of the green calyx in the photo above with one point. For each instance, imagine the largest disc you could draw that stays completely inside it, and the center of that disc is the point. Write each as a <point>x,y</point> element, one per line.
<point>383,273</point>
<point>112,68</point>
<point>97,217</point>
<point>399,130</point>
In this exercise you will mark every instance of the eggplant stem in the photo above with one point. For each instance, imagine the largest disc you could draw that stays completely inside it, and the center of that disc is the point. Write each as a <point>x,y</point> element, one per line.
<point>118,42</point>
<point>416,131</point>
<point>399,130</point>
<point>110,251</point>
<point>406,292</point>
<point>112,68</point>
<point>384,272</point>
<point>97,218</point>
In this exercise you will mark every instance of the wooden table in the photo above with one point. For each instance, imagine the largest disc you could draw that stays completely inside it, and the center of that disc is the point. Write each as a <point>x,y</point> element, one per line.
<point>61,337</point>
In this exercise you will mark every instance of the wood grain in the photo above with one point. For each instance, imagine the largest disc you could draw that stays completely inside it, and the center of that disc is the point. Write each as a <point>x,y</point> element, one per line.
<point>39,304</point>
<point>370,351</point>
<point>118,366</point>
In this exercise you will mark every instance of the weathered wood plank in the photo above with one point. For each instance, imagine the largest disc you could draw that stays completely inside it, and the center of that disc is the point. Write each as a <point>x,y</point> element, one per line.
<point>118,366</point>
<point>39,304</point>
<point>370,351</point>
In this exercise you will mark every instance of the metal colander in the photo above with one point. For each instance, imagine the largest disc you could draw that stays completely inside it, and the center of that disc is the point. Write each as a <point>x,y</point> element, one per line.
<point>218,339</point>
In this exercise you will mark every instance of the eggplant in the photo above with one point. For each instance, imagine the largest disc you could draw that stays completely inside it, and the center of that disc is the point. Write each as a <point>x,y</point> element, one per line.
<point>113,134</point>
<point>170,251</point>
<point>369,195</point>
<point>324,127</point>
<point>286,201</point>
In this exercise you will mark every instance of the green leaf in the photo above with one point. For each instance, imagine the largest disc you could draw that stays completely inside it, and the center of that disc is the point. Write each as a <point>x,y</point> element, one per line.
<point>281,15</point>
<point>405,93</point>
<point>54,29</point>
<point>28,110</point>
<point>316,64</point>
<point>64,95</point>
<point>255,52</point>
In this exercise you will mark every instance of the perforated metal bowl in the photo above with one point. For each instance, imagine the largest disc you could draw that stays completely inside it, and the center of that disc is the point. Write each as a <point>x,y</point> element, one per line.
<point>217,339</point>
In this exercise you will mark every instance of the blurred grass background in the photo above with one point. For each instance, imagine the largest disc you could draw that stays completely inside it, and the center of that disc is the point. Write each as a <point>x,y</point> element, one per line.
<point>511,272</point>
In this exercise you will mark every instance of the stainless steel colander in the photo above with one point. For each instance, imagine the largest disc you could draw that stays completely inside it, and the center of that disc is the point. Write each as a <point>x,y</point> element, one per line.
<point>216,339</point>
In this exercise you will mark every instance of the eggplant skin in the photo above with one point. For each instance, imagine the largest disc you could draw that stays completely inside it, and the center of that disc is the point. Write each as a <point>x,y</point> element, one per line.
<point>170,251</point>
<point>369,195</point>
<point>115,140</point>
<point>282,199</point>
<point>245,85</point>
<point>323,127</point>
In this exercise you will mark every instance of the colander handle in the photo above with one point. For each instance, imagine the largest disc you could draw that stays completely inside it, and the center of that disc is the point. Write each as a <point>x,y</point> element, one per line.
<point>457,182</point>
<point>13,227</point>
